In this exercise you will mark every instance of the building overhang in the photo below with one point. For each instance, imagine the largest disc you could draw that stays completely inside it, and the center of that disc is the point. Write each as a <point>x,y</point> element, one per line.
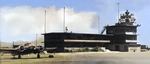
<point>88,41</point>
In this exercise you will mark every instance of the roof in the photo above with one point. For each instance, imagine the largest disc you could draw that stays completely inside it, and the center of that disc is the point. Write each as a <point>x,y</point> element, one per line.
<point>76,33</point>
<point>122,26</point>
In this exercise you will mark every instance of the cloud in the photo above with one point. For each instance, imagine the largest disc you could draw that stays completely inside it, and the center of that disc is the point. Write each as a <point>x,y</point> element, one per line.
<point>30,20</point>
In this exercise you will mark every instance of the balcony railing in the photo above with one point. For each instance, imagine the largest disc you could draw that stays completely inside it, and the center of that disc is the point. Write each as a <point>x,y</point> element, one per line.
<point>130,33</point>
<point>131,40</point>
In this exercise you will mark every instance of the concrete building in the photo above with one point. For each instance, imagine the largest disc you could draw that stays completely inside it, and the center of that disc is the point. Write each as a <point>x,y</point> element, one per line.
<point>61,40</point>
<point>119,37</point>
<point>124,34</point>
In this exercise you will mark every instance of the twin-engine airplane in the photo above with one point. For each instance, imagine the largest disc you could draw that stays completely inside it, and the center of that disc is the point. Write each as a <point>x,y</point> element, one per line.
<point>26,49</point>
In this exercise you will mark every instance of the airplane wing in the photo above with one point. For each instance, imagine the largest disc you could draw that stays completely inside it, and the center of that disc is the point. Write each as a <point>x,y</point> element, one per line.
<point>19,49</point>
<point>3,51</point>
<point>8,50</point>
<point>47,49</point>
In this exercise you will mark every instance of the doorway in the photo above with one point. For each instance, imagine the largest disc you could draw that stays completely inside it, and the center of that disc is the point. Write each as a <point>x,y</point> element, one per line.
<point>117,48</point>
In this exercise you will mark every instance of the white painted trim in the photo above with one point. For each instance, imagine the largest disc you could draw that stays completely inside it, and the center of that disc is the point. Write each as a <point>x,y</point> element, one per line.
<point>130,33</point>
<point>98,41</point>
<point>131,41</point>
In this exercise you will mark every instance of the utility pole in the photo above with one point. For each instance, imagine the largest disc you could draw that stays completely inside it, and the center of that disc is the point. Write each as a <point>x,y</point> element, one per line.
<point>13,44</point>
<point>36,39</point>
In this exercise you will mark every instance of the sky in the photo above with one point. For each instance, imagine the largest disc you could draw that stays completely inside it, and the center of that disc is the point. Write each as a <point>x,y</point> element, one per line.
<point>23,19</point>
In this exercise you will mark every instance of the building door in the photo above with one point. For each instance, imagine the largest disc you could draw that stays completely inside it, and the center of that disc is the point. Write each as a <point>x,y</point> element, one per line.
<point>117,48</point>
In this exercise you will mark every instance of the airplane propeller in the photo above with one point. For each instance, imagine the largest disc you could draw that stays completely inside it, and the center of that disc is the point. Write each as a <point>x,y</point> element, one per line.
<point>21,48</point>
<point>40,48</point>
<point>37,50</point>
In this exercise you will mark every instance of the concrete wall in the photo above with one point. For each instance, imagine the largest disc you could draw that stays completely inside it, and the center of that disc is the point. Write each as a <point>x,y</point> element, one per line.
<point>134,49</point>
<point>111,47</point>
<point>124,48</point>
<point>121,47</point>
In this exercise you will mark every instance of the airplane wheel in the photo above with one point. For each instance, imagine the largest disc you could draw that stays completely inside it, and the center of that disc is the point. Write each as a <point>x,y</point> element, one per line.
<point>38,55</point>
<point>51,56</point>
<point>19,56</point>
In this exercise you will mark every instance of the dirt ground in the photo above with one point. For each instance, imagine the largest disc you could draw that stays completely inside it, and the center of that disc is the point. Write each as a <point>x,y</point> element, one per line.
<point>106,58</point>
<point>83,58</point>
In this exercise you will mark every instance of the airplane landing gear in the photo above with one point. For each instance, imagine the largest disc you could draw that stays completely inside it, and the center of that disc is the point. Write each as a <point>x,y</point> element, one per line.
<point>51,56</point>
<point>38,55</point>
<point>13,56</point>
<point>19,56</point>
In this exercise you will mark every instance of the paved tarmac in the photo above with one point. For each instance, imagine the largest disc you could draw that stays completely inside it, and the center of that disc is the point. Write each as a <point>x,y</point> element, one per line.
<point>103,58</point>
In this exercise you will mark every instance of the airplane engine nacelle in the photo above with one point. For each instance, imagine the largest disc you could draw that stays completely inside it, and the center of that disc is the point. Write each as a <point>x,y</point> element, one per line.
<point>40,48</point>
<point>21,48</point>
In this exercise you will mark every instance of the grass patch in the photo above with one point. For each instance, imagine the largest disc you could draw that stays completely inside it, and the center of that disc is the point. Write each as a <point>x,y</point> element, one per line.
<point>31,59</point>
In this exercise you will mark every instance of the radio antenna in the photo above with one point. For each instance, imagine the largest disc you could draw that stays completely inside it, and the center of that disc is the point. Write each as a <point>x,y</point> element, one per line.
<point>98,26</point>
<point>45,21</point>
<point>64,20</point>
<point>118,11</point>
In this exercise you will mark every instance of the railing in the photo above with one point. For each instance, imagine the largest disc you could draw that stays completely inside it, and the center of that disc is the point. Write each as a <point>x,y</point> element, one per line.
<point>131,40</point>
<point>130,33</point>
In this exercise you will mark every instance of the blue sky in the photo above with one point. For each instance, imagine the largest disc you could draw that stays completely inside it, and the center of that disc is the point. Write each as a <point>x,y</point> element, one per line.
<point>105,9</point>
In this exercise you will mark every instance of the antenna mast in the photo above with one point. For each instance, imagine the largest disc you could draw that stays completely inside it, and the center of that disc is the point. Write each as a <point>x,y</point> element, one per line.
<point>45,21</point>
<point>0,31</point>
<point>36,39</point>
<point>13,44</point>
<point>118,11</point>
<point>98,26</point>
<point>64,20</point>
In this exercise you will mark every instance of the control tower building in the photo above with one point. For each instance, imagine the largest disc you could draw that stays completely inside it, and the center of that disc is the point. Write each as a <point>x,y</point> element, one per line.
<point>119,37</point>
<point>124,34</point>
